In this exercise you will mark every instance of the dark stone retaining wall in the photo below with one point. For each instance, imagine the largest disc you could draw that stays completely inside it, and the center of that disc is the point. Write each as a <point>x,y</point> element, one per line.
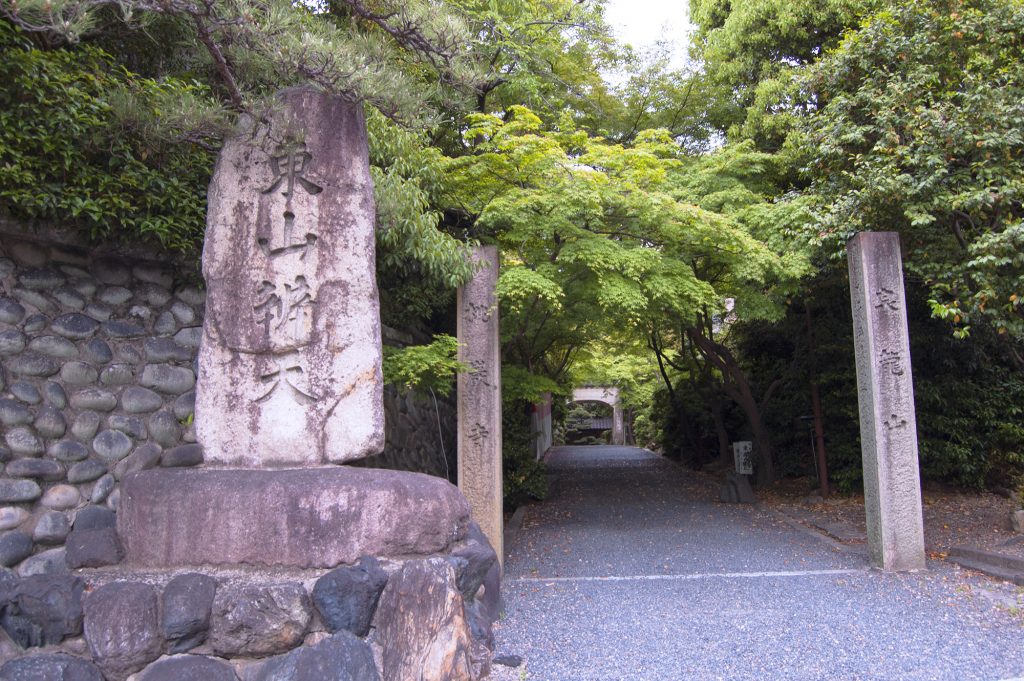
<point>96,380</point>
<point>97,376</point>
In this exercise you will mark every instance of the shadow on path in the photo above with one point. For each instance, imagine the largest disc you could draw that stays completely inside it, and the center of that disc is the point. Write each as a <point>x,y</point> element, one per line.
<point>633,570</point>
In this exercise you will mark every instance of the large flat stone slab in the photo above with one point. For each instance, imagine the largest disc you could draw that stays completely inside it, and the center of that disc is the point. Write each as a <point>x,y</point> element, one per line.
<point>300,518</point>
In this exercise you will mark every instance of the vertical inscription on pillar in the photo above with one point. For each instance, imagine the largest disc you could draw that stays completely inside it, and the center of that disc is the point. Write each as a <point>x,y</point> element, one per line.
<point>290,364</point>
<point>885,388</point>
<point>479,397</point>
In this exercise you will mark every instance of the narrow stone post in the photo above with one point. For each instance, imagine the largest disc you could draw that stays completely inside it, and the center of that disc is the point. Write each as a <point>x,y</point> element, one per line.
<point>479,398</point>
<point>888,427</point>
<point>618,427</point>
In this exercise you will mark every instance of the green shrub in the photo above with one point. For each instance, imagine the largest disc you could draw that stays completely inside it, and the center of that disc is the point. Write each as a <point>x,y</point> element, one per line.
<point>66,154</point>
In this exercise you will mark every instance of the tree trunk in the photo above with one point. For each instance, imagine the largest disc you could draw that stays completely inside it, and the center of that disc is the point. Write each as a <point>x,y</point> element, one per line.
<point>737,387</point>
<point>724,453</point>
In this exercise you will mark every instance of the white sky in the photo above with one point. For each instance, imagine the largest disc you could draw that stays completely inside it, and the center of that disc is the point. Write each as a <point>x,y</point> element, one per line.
<point>643,22</point>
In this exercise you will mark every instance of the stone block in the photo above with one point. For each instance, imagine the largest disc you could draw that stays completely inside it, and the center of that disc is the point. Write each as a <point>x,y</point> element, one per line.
<point>290,362</point>
<point>342,657</point>
<point>347,597</point>
<point>256,621</point>
<point>421,624</point>
<point>188,668</point>
<point>308,518</point>
<point>479,558</point>
<point>49,562</point>
<point>93,548</point>
<point>188,603</point>
<point>52,528</point>
<point>1017,520</point>
<point>122,628</point>
<point>736,490</point>
<point>165,430</point>
<point>14,548</point>
<point>42,610</point>
<point>182,457</point>
<point>50,667</point>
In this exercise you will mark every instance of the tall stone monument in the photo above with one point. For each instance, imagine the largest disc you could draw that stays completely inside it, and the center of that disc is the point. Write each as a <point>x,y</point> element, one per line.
<point>888,426</point>
<point>479,398</point>
<point>290,363</point>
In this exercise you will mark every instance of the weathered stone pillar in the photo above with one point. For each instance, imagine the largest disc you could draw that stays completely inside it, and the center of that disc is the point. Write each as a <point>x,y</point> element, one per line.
<point>888,427</point>
<point>618,428</point>
<point>290,363</point>
<point>479,398</point>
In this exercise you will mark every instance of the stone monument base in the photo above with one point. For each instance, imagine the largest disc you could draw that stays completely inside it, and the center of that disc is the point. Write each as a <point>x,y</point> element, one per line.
<point>243,575</point>
<point>296,518</point>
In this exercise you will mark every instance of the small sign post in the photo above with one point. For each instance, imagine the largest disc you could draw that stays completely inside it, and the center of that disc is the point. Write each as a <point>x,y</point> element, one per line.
<point>742,453</point>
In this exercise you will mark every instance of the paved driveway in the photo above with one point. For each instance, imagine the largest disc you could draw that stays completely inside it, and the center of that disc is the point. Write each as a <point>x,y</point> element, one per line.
<point>632,570</point>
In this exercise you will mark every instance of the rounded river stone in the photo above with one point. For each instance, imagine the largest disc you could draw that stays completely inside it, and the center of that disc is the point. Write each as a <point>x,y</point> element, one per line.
<point>50,422</point>
<point>11,311</point>
<point>98,351</point>
<point>164,428</point>
<point>23,440</point>
<point>52,528</point>
<point>136,400</point>
<point>26,392</point>
<point>86,471</point>
<point>165,350</point>
<point>119,329</point>
<point>68,450</point>
<point>86,425</point>
<point>36,323</point>
<point>54,346</point>
<point>61,497</point>
<point>69,297</point>
<point>115,295</point>
<point>41,278</point>
<point>104,486</point>
<point>11,517</point>
<point>14,548</point>
<point>13,413</point>
<point>118,374</point>
<point>93,398</point>
<point>19,491</point>
<point>44,469</point>
<point>33,364</point>
<point>167,378</point>
<point>12,341</point>
<point>129,425</point>
<point>112,445</point>
<point>165,324</point>
<point>55,395</point>
<point>75,325</point>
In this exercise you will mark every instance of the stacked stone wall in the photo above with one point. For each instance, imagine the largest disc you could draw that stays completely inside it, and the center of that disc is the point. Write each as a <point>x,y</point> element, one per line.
<point>97,377</point>
<point>96,380</point>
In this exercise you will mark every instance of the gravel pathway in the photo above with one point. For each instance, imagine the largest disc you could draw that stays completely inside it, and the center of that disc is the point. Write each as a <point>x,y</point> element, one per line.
<point>633,571</point>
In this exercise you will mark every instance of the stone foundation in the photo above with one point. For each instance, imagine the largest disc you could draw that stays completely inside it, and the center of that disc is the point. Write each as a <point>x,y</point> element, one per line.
<point>385,619</point>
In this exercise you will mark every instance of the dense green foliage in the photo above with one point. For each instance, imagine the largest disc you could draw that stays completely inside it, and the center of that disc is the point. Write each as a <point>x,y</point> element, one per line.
<point>65,155</point>
<point>677,233</point>
<point>923,133</point>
